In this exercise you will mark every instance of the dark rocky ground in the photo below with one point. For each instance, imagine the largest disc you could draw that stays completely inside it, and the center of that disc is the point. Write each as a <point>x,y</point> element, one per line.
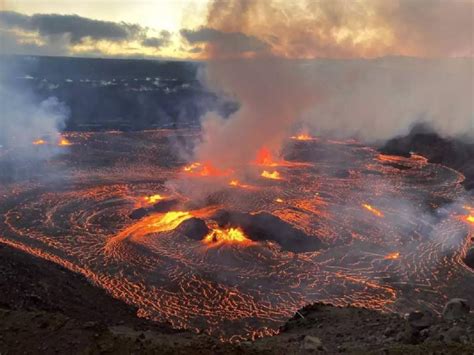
<point>454,153</point>
<point>46,309</point>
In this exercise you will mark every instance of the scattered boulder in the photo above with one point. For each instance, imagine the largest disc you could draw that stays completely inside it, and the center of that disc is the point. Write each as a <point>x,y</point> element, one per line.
<point>455,334</point>
<point>312,343</point>
<point>193,228</point>
<point>469,258</point>
<point>138,213</point>
<point>456,308</point>
<point>418,320</point>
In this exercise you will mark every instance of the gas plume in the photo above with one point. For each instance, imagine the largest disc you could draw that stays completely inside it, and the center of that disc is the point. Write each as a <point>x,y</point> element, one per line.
<point>27,122</point>
<point>371,99</point>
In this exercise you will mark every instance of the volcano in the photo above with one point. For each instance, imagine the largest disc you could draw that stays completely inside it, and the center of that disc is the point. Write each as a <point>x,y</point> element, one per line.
<point>345,225</point>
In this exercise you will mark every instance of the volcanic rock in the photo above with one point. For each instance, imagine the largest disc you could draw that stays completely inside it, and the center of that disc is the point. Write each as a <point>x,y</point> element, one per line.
<point>164,206</point>
<point>456,308</point>
<point>455,334</point>
<point>469,258</point>
<point>419,320</point>
<point>455,153</point>
<point>193,228</point>
<point>138,213</point>
<point>265,226</point>
<point>312,343</point>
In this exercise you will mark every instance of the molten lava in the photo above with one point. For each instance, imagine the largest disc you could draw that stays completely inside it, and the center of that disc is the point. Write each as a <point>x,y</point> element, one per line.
<point>275,175</point>
<point>373,210</point>
<point>219,236</point>
<point>63,142</point>
<point>206,169</point>
<point>279,200</point>
<point>264,157</point>
<point>39,142</point>
<point>153,198</point>
<point>237,183</point>
<point>303,137</point>
<point>469,218</point>
<point>169,221</point>
<point>392,256</point>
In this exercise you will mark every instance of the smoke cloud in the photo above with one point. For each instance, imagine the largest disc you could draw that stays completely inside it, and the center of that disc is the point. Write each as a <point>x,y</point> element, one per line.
<point>24,118</point>
<point>371,99</point>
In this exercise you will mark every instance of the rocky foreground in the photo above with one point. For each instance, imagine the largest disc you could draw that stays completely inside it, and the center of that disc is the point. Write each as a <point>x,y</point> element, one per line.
<point>46,309</point>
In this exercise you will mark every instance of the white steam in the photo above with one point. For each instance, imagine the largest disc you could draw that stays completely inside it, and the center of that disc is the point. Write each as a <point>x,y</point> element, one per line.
<point>24,118</point>
<point>369,99</point>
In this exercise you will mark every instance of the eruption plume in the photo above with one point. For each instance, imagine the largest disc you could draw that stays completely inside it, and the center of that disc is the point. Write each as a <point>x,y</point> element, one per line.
<point>26,121</point>
<point>277,89</point>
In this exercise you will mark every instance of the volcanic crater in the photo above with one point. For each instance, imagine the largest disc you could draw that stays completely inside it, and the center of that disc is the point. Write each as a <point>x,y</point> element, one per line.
<point>236,254</point>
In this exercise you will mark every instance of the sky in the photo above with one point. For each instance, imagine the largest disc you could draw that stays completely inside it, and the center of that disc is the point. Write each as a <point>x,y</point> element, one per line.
<point>208,29</point>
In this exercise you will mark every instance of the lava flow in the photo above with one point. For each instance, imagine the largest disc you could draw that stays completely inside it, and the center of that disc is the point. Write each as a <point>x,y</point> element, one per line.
<point>303,137</point>
<point>39,142</point>
<point>237,262</point>
<point>274,175</point>
<point>64,142</point>
<point>373,210</point>
<point>219,236</point>
<point>206,169</point>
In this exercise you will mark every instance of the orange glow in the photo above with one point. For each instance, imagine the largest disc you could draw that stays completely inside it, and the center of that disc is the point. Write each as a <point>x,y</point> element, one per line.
<point>153,198</point>
<point>39,142</point>
<point>470,217</point>
<point>264,157</point>
<point>191,167</point>
<point>303,137</point>
<point>169,221</point>
<point>64,142</point>
<point>279,200</point>
<point>237,183</point>
<point>374,211</point>
<point>220,236</point>
<point>275,175</point>
<point>206,169</point>
<point>392,256</point>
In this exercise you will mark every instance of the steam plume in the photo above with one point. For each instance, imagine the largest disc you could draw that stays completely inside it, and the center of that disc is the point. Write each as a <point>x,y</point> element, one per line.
<point>25,118</point>
<point>373,99</point>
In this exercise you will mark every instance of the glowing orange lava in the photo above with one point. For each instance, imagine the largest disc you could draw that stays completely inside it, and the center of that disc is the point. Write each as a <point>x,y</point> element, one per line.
<point>237,183</point>
<point>469,218</point>
<point>153,198</point>
<point>303,137</point>
<point>393,256</point>
<point>219,236</point>
<point>374,211</point>
<point>205,169</point>
<point>279,200</point>
<point>63,142</point>
<point>39,142</point>
<point>191,167</point>
<point>170,221</point>
<point>275,175</point>
<point>264,157</point>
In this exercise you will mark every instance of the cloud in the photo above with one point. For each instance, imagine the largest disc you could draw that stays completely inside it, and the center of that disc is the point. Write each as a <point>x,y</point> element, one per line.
<point>77,27</point>
<point>350,29</point>
<point>157,42</point>
<point>372,99</point>
<point>224,43</point>
<point>54,34</point>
